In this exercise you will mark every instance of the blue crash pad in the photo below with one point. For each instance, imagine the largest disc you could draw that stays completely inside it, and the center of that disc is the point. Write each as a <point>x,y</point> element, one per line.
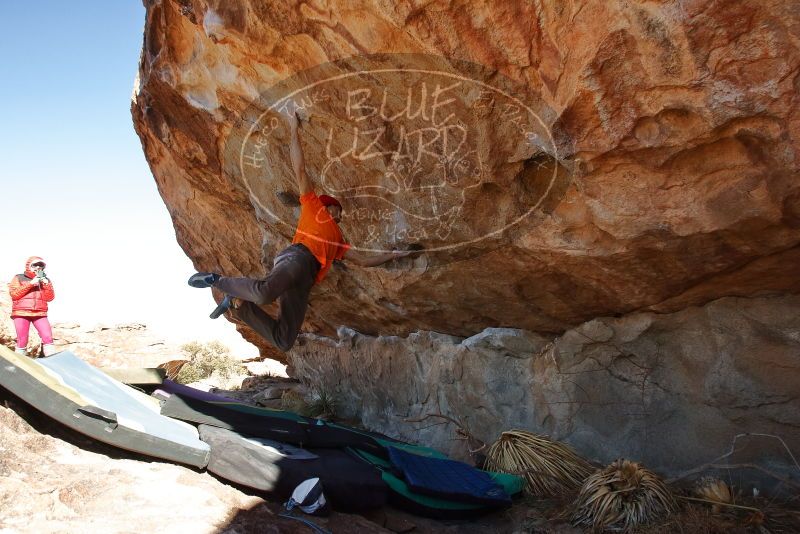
<point>449,479</point>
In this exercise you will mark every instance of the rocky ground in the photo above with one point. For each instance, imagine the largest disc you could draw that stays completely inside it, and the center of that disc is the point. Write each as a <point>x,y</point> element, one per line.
<point>54,480</point>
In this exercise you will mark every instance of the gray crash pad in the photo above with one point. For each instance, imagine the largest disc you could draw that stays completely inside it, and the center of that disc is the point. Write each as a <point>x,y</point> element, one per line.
<point>277,468</point>
<point>87,400</point>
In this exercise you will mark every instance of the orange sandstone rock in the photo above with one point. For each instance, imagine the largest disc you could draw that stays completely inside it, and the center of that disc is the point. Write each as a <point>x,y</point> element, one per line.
<point>656,168</point>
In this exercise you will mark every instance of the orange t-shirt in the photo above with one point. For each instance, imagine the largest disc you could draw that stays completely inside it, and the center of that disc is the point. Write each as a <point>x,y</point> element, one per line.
<point>317,230</point>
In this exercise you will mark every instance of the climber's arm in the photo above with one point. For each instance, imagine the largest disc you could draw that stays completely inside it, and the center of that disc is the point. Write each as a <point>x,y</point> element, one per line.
<point>296,153</point>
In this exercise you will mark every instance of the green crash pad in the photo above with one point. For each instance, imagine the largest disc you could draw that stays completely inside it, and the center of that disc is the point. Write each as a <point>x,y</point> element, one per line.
<point>403,497</point>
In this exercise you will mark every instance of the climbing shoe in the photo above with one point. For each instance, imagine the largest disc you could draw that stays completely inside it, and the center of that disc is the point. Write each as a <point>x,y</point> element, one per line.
<point>202,280</point>
<point>223,306</point>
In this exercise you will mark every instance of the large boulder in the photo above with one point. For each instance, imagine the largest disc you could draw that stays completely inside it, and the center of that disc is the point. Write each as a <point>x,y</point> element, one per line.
<point>605,193</point>
<point>592,158</point>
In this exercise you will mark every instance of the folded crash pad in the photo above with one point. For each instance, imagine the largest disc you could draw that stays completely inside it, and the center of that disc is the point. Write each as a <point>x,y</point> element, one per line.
<point>87,400</point>
<point>404,498</point>
<point>348,483</point>
<point>168,387</point>
<point>448,479</point>
<point>279,425</point>
<point>191,409</point>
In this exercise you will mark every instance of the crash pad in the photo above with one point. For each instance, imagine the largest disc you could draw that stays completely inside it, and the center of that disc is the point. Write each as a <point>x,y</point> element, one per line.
<point>448,479</point>
<point>87,400</point>
<point>279,425</point>
<point>348,483</point>
<point>403,497</point>
<point>168,387</point>
<point>191,409</point>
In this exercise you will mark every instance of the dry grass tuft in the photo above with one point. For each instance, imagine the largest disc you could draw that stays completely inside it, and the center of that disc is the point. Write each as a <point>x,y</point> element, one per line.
<point>549,467</point>
<point>713,489</point>
<point>622,496</point>
<point>207,360</point>
<point>321,406</point>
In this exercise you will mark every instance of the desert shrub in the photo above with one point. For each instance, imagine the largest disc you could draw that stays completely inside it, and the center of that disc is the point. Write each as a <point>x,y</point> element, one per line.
<point>623,496</point>
<point>550,467</point>
<point>322,404</point>
<point>206,360</point>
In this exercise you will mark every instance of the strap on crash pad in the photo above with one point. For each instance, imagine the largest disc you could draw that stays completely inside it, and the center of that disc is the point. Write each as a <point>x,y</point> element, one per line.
<point>98,413</point>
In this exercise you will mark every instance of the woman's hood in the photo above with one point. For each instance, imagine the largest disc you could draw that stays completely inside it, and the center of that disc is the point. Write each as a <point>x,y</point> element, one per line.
<point>33,259</point>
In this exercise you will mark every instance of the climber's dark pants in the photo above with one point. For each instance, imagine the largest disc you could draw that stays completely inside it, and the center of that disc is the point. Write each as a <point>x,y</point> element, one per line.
<point>290,280</point>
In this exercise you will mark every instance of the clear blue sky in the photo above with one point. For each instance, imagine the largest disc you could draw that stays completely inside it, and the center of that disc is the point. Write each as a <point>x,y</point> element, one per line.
<point>76,188</point>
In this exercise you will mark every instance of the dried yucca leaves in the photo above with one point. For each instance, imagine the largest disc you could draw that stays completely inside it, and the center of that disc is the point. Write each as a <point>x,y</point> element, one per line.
<point>622,496</point>
<point>549,467</point>
<point>713,489</point>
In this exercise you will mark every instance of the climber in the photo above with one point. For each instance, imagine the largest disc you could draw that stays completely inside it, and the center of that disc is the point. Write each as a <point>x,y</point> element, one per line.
<point>30,293</point>
<point>317,243</point>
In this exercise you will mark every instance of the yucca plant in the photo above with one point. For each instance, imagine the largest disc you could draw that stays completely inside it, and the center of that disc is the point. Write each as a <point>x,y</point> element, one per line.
<point>323,405</point>
<point>622,496</point>
<point>549,467</point>
<point>713,489</point>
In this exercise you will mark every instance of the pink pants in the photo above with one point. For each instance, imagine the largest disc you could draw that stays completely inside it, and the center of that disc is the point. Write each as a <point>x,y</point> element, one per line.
<point>23,324</point>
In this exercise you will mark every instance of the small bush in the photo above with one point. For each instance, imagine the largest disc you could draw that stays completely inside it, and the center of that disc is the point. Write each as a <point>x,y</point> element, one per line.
<point>322,405</point>
<point>206,360</point>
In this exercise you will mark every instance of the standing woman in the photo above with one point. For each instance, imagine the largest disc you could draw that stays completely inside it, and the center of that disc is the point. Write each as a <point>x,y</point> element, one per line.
<point>30,293</point>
